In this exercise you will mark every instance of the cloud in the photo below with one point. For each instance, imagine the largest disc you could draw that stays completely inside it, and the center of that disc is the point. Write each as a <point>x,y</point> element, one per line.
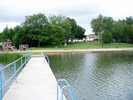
<point>13,12</point>
<point>9,24</point>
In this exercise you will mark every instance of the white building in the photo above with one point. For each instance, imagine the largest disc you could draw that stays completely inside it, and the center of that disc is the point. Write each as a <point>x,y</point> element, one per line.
<point>91,37</point>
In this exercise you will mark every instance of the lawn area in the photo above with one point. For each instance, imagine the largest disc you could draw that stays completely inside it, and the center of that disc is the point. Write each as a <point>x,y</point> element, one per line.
<point>87,45</point>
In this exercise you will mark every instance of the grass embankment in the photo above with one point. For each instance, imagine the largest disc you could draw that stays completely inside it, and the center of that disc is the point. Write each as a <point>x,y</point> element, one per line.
<point>87,45</point>
<point>7,58</point>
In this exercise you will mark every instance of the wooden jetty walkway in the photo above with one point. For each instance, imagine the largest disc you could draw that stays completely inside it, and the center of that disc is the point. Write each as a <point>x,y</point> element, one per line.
<point>35,82</point>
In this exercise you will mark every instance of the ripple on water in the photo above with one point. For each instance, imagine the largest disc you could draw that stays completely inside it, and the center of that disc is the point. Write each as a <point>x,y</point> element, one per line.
<point>97,76</point>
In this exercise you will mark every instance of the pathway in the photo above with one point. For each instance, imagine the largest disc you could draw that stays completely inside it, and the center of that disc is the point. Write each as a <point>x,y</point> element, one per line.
<point>35,82</point>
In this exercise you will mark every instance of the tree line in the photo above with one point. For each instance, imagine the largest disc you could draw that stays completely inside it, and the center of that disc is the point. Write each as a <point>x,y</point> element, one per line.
<point>109,30</point>
<point>39,30</point>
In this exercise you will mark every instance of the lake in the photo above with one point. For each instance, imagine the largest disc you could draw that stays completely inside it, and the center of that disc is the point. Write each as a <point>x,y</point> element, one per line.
<point>96,76</point>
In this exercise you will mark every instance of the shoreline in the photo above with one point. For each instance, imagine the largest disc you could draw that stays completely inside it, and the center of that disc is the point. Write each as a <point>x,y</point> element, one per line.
<point>61,51</point>
<point>57,51</point>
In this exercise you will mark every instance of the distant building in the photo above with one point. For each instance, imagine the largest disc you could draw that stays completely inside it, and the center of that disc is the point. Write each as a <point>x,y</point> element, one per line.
<point>91,37</point>
<point>23,46</point>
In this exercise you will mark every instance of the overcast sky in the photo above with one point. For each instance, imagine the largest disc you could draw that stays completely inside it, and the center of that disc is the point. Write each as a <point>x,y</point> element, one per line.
<point>13,12</point>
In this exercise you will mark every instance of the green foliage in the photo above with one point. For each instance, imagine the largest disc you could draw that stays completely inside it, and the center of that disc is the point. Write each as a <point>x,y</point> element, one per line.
<point>0,37</point>
<point>19,36</point>
<point>55,35</point>
<point>34,28</point>
<point>38,30</point>
<point>64,24</point>
<point>7,34</point>
<point>80,32</point>
<point>97,24</point>
<point>107,37</point>
<point>121,30</point>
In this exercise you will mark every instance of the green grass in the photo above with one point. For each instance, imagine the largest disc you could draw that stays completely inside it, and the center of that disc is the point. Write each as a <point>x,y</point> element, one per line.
<point>87,45</point>
<point>6,58</point>
<point>97,45</point>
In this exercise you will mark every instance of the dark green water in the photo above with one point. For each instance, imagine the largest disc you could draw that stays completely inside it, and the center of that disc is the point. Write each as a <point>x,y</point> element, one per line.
<point>97,76</point>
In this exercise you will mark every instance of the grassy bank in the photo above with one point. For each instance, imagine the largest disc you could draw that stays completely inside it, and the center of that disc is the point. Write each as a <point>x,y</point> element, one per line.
<point>87,45</point>
<point>77,47</point>
<point>8,58</point>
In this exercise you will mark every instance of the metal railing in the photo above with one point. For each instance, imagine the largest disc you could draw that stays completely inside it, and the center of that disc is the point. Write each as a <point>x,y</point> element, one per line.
<point>65,91</point>
<point>46,57</point>
<point>10,71</point>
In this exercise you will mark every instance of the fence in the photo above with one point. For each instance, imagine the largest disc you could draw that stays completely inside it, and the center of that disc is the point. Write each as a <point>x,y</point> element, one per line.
<point>10,71</point>
<point>64,90</point>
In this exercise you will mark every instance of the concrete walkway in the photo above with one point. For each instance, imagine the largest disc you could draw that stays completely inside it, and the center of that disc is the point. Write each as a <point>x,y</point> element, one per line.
<point>35,82</point>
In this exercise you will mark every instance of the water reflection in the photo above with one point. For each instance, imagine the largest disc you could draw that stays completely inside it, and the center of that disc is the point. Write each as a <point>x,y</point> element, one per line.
<point>99,76</point>
<point>72,63</point>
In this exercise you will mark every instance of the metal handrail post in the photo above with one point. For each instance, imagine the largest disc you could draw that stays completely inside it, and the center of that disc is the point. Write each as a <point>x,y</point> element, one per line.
<point>64,85</point>
<point>25,59</point>
<point>21,61</point>
<point>2,81</point>
<point>1,86</point>
<point>57,91</point>
<point>61,93</point>
<point>14,68</point>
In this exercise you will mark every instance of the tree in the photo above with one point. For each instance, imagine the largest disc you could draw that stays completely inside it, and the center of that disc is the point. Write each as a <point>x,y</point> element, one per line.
<point>120,31</point>
<point>7,34</point>
<point>129,29</point>
<point>74,27</point>
<point>33,27</point>
<point>97,24</point>
<point>107,37</point>
<point>77,32</point>
<point>55,35</point>
<point>123,30</point>
<point>64,23</point>
<point>0,37</point>
<point>20,36</point>
<point>102,23</point>
<point>38,30</point>
<point>98,27</point>
<point>80,33</point>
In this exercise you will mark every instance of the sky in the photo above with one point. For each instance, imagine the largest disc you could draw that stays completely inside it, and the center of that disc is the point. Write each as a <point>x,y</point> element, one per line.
<point>13,12</point>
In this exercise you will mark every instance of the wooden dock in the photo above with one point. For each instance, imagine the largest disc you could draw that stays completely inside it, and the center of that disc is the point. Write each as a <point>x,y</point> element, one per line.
<point>35,82</point>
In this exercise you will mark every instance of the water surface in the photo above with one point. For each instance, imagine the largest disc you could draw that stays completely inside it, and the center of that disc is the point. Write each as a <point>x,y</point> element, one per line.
<point>97,76</point>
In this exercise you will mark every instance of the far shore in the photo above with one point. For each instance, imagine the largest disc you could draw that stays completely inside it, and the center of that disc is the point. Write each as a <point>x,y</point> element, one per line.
<point>57,51</point>
<point>52,51</point>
